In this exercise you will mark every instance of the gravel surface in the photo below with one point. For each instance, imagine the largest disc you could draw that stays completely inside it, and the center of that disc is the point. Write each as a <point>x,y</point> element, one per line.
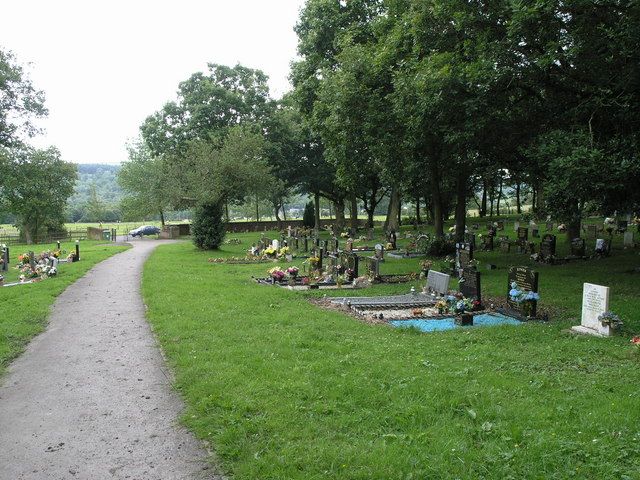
<point>91,397</point>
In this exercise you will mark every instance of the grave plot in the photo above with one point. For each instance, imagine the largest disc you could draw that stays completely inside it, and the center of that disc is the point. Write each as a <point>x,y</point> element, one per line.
<point>32,267</point>
<point>522,292</point>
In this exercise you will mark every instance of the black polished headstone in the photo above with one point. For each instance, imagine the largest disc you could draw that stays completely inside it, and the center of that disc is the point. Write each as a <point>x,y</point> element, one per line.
<point>470,284</point>
<point>526,280</point>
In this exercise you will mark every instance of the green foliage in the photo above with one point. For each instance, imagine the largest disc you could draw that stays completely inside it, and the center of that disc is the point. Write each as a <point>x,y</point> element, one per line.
<point>20,102</point>
<point>208,228</point>
<point>308,217</point>
<point>35,186</point>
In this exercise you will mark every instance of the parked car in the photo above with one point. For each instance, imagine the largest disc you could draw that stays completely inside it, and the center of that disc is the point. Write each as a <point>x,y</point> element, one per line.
<point>144,230</point>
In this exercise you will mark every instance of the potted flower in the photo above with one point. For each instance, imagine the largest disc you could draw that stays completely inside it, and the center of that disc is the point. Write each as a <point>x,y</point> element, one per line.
<point>610,319</point>
<point>441,305</point>
<point>293,272</point>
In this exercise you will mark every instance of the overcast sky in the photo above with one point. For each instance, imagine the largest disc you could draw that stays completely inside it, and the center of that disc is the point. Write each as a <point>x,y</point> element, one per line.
<point>106,65</point>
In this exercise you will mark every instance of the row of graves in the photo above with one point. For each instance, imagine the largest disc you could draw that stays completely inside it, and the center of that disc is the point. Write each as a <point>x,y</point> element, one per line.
<point>328,263</point>
<point>32,267</point>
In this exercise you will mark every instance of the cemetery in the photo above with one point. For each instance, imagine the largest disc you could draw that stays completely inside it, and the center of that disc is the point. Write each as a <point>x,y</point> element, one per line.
<point>405,247</point>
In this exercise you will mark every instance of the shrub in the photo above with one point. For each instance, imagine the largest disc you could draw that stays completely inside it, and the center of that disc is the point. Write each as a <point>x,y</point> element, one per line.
<point>208,228</point>
<point>309,216</point>
<point>435,247</point>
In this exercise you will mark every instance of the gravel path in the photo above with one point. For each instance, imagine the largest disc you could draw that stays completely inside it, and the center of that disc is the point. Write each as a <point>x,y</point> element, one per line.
<point>91,397</point>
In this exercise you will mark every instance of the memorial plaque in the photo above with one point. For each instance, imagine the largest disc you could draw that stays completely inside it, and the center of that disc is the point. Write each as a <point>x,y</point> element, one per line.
<point>592,232</point>
<point>578,247</point>
<point>438,283</point>
<point>470,284</point>
<point>526,280</point>
<point>548,245</point>
<point>628,239</point>
<point>595,302</point>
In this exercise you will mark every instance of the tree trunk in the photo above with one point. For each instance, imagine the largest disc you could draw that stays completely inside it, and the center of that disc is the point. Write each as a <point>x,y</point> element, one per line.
<point>392,222</point>
<point>162,218</point>
<point>518,202</point>
<point>284,212</point>
<point>461,204</point>
<point>353,213</point>
<point>492,192</point>
<point>278,221</point>
<point>338,206</point>
<point>534,199</point>
<point>316,200</point>
<point>257,210</point>
<point>418,219</point>
<point>483,204</point>
<point>436,202</point>
<point>499,197</point>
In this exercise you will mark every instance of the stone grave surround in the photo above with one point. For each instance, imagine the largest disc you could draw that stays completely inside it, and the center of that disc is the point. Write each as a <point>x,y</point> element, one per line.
<point>595,302</point>
<point>527,281</point>
<point>437,283</point>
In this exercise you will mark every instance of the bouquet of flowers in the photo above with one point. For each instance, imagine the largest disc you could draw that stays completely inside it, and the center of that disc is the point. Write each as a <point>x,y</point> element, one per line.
<point>344,235</point>
<point>23,260</point>
<point>611,319</point>
<point>349,274</point>
<point>314,262</point>
<point>292,272</point>
<point>277,274</point>
<point>426,265</point>
<point>270,252</point>
<point>284,251</point>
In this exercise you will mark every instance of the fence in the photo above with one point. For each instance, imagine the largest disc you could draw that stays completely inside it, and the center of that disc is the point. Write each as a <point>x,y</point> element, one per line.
<point>68,236</point>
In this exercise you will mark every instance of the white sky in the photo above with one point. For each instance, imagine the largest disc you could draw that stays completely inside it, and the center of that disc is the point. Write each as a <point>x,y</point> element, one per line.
<point>106,65</point>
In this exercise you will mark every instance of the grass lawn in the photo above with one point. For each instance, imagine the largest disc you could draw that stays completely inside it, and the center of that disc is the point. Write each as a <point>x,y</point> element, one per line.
<point>285,390</point>
<point>24,308</point>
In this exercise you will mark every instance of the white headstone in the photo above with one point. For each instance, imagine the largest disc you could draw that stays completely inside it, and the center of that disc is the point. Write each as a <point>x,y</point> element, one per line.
<point>275,245</point>
<point>516,226</point>
<point>628,239</point>
<point>595,302</point>
<point>438,282</point>
<point>289,231</point>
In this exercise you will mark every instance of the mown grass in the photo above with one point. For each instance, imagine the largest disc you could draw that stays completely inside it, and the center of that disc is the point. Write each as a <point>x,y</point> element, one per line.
<point>24,308</point>
<point>285,390</point>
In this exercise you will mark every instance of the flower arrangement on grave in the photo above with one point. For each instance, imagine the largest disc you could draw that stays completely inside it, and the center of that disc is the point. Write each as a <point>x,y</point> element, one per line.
<point>344,235</point>
<point>270,252</point>
<point>293,271</point>
<point>284,251</point>
<point>45,271</point>
<point>23,259</point>
<point>233,241</point>
<point>349,274</point>
<point>610,319</point>
<point>609,224</point>
<point>277,274</point>
<point>71,257</point>
<point>562,228</point>
<point>417,312</point>
<point>305,280</point>
<point>340,280</point>
<point>388,246</point>
<point>441,305</point>
<point>425,265</point>
<point>314,262</point>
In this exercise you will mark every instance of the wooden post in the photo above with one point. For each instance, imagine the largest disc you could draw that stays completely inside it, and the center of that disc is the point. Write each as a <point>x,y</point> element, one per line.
<point>77,257</point>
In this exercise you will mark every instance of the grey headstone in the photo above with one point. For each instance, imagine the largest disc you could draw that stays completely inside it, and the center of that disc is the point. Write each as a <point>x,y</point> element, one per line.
<point>438,282</point>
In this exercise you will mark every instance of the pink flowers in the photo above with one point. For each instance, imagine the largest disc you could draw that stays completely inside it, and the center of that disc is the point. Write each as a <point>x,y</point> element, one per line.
<point>636,341</point>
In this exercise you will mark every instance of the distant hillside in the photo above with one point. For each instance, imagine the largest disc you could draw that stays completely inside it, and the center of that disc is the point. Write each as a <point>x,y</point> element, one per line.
<point>105,178</point>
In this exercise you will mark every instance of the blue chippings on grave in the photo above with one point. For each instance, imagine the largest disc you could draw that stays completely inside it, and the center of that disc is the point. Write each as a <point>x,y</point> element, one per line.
<point>441,324</point>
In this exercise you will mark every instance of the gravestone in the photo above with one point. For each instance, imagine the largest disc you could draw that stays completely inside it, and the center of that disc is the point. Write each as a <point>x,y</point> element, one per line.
<point>325,245</point>
<point>335,243</point>
<point>296,243</point>
<point>32,260</point>
<point>373,268</point>
<point>470,284</point>
<point>549,226</point>
<point>516,226</point>
<point>393,239</point>
<point>464,254</point>
<point>349,245</point>
<point>305,244</point>
<point>500,224</point>
<point>350,260</point>
<point>505,245</point>
<point>578,247</point>
<point>523,235</point>
<point>487,243</point>
<point>592,232</point>
<point>5,259</point>
<point>332,264</point>
<point>548,246</point>
<point>275,245</point>
<point>622,226</point>
<point>595,302</point>
<point>320,257</point>
<point>535,232</point>
<point>470,238</point>
<point>379,251</point>
<point>526,280</point>
<point>437,283</point>
<point>370,234</point>
<point>628,239</point>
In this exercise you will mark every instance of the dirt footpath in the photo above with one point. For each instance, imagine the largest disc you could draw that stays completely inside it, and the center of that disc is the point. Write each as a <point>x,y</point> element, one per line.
<point>91,397</point>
